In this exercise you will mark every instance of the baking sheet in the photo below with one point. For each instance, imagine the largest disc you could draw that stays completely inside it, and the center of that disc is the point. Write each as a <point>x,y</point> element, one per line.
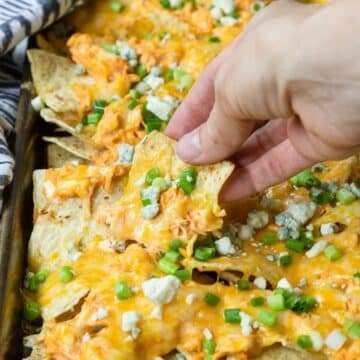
<point>16,223</point>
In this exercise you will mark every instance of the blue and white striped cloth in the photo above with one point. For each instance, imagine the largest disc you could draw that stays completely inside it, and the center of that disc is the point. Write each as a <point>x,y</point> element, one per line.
<point>18,20</point>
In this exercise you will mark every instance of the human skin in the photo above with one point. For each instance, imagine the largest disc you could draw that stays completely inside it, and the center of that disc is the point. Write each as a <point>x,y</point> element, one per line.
<point>296,64</point>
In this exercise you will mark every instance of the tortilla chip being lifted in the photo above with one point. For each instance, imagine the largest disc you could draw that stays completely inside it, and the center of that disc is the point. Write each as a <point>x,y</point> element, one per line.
<point>180,215</point>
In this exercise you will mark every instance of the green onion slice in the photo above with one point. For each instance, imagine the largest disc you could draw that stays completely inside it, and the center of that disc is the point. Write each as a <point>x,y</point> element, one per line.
<point>183,274</point>
<point>66,274</point>
<point>187,180</point>
<point>345,196</point>
<point>167,266</point>
<point>232,316</point>
<point>243,284</point>
<point>211,299</point>
<point>31,310</point>
<point>205,253</point>
<point>209,346</point>
<point>276,302</point>
<point>267,317</point>
<point>151,175</point>
<point>305,342</point>
<point>257,301</point>
<point>332,252</point>
<point>122,290</point>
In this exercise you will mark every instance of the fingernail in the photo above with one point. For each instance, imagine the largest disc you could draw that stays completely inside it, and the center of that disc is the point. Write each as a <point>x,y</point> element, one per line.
<point>188,147</point>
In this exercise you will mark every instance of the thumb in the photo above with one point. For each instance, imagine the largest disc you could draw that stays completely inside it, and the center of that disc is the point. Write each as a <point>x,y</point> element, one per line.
<point>217,138</point>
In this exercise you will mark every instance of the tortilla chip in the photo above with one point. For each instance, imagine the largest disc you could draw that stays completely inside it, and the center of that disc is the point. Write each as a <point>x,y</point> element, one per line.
<point>63,300</point>
<point>38,350</point>
<point>180,215</point>
<point>58,157</point>
<point>64,227</point>
<point>75,146</point>
<point>50,116</point>
<point>54,77</point>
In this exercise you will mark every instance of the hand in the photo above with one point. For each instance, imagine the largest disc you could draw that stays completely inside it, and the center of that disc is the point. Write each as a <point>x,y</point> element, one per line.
<point>296,63</point>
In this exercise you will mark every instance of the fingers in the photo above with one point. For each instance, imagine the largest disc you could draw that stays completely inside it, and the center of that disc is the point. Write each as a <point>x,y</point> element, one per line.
<point>260,141</point>
<point>275,166</point>
<point>216,139</point>
<point>196,107</point>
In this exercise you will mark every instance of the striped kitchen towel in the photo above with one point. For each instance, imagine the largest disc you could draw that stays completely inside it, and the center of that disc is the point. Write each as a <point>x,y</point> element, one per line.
<point>19,19</point>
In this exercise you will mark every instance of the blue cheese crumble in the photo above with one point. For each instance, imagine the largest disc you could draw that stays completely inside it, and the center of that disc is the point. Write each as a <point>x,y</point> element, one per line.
<point>125,154</point>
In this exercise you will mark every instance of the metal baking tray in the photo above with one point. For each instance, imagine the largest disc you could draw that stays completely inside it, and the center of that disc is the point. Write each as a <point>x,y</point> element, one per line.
<point>17,222</point>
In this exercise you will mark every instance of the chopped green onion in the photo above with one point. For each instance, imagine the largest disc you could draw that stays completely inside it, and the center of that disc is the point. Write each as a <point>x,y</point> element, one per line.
<point>160,183</point>
<point>152,124</point>
<point>285,260</point>
<point>211,299</point>
<point>205,253</point>
<point>208,357</point>
<point>185,82</point>
<point>183,274</point>
<point>93,118</point>
<point>167,267</point>
<point>307,238</point>
<point>99,105</point>
<point>169,76</point>
<point>305,179</point>
<point>300,304</point>
<point>31,310</point>
<point>187,179</point>
<point>345,196</point>
<point>284,292</point>
<point>141,71</point>
<point>295,245</point>
<point>178,73</point>
<point>151,175</point>
<point>122,290</point>
<point>233,14</point>
<point>116,6</point>
<point>41,275</point>
<point>257,301</point>
<point>214,39</point>
<point>209,346</point>
<point>276,302</point>
<point>165,3</point>
<point>115,98</point>
<point>257,6</point>
<point>267,318</point>
<point>332,252</point>
<point>151,120</point>
<point>37,279</point>
<point>135,94</point>
<point>176,244</point>
<point>321,196</point>
<point>357,274</point>
<point>132,104</point>
<point>305,342</point>
<point>232,316</point>
<point>352,328</point>
<point>172,256</point>
<point>269,238</point>
<point>243,284</point>
<point>33,284</point>
<point>66,274</point>
<point>111,49</point>
<point>145,202</point>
